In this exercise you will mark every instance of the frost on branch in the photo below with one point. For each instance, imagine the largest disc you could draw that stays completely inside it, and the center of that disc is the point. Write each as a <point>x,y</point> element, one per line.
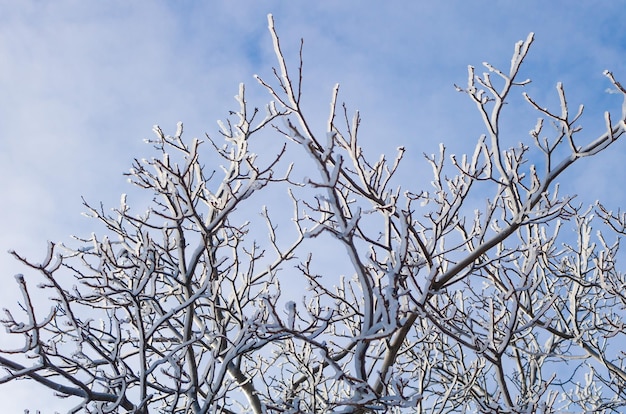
<point>371,298</point>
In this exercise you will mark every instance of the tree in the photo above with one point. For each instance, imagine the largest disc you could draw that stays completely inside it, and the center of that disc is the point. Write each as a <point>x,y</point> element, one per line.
<point>436,305</point>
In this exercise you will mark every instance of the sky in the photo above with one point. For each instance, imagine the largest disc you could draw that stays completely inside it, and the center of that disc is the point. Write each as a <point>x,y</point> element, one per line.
<point>82,82</point>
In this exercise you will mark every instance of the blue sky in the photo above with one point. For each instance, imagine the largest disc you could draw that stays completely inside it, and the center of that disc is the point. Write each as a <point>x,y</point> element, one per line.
<point>82,82</point>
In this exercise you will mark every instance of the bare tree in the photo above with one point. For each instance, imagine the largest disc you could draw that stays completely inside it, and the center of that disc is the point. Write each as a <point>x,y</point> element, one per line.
<point>442,305</point>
